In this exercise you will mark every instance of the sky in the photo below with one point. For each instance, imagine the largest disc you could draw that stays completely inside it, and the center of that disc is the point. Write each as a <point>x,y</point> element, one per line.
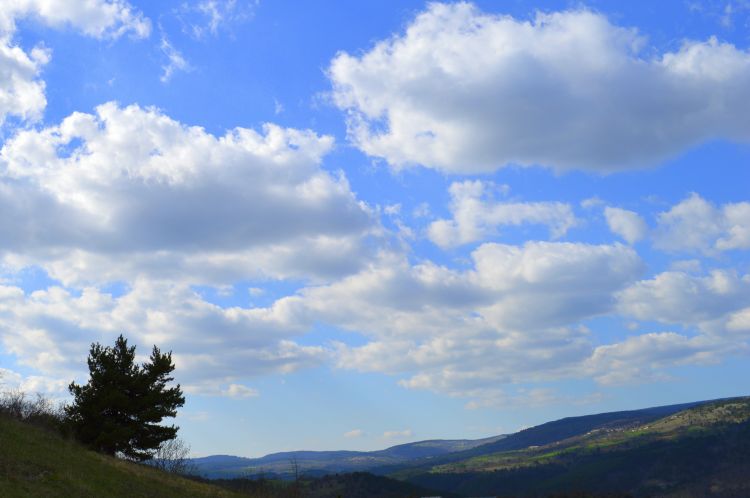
<point>358,224</point>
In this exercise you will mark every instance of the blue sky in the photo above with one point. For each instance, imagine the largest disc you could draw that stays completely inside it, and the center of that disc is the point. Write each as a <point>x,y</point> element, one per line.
<point>357,224</point>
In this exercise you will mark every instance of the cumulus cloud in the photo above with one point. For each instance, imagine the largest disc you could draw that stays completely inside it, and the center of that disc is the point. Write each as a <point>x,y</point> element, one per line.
<point>713,310</point>
<point>696,225</point>
<point>12,381</point>
<point>129,191</point>
<point>465,91</point>
<point>516,317</point>
<point>642,358</point>
<point>739,321</point>
<point>512,318</point>
<point>627,224</point>
<point>678,297</point>
<point>50,331</point>
<point>477,216</point>
<point>96,18</point>
<point>129,195</point>
<point>21,91</point>
<point>355,433</point>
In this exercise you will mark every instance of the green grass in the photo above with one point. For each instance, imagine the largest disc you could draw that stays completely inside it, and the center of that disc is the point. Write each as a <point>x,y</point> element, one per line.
<point>39,463</point>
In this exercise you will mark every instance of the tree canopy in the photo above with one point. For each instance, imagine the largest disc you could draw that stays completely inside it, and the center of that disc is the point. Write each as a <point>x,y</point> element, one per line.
<point>120,408</point>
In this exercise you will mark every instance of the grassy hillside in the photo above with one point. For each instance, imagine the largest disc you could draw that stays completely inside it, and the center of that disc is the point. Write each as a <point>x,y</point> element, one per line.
<point>39,463</point>
<point>36,462</point>
<point>701,451</point>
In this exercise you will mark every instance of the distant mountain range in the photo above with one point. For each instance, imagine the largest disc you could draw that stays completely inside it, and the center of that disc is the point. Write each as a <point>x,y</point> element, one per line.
<point>421,453</point>
<point>314,463</point>
<point>692,449</point>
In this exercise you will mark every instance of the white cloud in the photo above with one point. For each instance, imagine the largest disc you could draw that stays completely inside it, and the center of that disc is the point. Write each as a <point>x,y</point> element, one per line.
<point>512,318</point>
<point>535,397</point>
<point>712,309</point>
<point>696,225</point>
<point>21,91</point>
<point>739,321</point>
<point>392,209</point>
<point>642,358</point>
<point>209,17</point>
<point>11,381</point>
<point>737,227</point>
<point>591,202</point>
<point>278,107</point>
<point>538,285</point>
<point>129,191</point>
<point>422,211</point>
<point>355,433</point>
<point>465,91</point>
<point>175,60</point>
<point>51,331</point>
<point>96,18</point>
<point>694,300</point>
<point>476,215</point>
<point>686,265</point>
<point>515,318</point>
<point>627,224</point>
<point>240,391</point>
<point>404,434</point>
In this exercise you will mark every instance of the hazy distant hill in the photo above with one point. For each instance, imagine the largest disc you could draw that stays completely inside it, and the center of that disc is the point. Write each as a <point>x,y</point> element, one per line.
<point>326,462</point>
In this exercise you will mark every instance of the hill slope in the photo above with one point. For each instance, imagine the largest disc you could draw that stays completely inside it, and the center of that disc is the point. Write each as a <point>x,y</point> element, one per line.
<point>35,462</point>
<point>701,451</point>
<point>539,435</point>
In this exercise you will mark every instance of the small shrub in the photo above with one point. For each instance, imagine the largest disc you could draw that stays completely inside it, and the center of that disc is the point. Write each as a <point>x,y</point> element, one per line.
<point>173,456</point>
<point>37,410</point>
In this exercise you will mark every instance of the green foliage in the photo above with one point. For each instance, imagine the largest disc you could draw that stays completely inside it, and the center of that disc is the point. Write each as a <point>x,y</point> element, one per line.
<point>121,406</point>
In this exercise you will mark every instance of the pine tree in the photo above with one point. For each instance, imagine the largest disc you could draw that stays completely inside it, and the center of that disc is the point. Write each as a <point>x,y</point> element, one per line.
<point>119,410</point>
